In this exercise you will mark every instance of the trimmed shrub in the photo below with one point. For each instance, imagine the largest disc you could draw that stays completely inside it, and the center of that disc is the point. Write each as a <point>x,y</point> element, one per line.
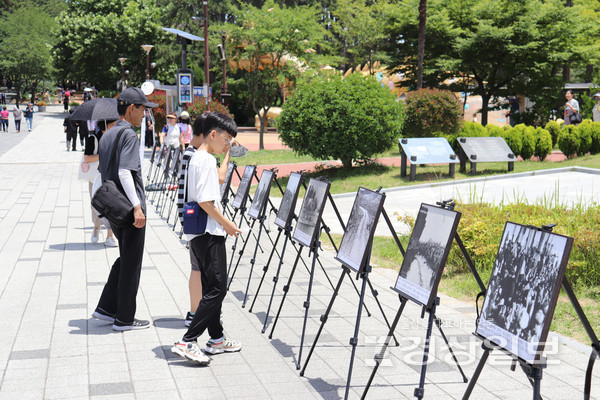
<point>494,130</point>
<point>473,129</point>
<point>199,106</point>
<point>513,139</point>
<point>349,119</point>
<point>568,140</point>
<point>543,143</point>
<point>585,131</point>
<point>554,128</point>
<point>528,139</point>
<point>432,110</point>
<point>595,148</point>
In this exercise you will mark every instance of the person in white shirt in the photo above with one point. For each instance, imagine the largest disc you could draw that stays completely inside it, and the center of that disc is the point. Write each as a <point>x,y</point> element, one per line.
<point>171,134</point>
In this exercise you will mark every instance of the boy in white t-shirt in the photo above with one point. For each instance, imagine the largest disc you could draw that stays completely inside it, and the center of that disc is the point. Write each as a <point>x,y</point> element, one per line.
<point>208,249</point>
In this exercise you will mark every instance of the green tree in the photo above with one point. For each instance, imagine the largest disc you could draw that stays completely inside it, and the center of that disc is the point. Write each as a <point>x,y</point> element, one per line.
<point>93,34</point>
<point>26,41</point>
<point>271,46</point>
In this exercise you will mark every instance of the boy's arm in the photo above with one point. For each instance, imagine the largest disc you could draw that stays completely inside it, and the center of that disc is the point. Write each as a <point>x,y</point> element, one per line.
<point>223,168</point>
<point>215,214</point>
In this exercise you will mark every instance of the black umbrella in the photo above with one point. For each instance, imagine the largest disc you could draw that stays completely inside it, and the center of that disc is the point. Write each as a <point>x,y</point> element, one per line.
<point>102,109</point>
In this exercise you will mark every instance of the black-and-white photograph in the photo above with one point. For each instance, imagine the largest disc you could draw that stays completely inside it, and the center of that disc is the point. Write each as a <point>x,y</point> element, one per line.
<point>523,289</point>
<point>241,195</point>
<point>360,228</point>
<point>262,194</point>
<point>311,211</point>
<point>288,202</point>
<point>224,187</point>
<point>426,253</point>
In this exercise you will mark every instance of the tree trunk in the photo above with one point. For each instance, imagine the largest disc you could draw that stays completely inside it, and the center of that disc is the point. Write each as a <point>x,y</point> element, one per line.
<point>421,42</point>
<point>347,162</point>
<point>263,128</point>
<point>485,101</point>
<point>33,90</point>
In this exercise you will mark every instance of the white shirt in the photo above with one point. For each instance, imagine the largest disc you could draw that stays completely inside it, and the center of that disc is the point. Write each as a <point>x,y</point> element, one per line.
<point>172,136</point>
<point>203,185</point>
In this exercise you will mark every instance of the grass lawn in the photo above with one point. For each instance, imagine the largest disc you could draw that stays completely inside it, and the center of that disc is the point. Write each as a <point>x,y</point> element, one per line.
<point>462,286</point>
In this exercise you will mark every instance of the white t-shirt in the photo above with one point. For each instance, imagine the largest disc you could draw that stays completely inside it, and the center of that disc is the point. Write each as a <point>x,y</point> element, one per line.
<point>172,136</point>
<point>203,185</point>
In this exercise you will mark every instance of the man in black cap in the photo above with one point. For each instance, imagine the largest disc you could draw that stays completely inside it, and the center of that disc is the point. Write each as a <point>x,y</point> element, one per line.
<point>117,303</point>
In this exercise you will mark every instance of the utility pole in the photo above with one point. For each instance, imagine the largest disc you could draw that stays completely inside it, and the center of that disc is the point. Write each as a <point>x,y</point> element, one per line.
<point>206,55</point>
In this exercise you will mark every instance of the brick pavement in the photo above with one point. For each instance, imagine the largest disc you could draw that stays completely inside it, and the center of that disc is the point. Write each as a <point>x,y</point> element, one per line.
<point>51,277</point>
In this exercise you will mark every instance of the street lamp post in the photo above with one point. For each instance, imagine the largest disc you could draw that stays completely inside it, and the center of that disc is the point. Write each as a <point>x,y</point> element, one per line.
<point>122,60</point>
<point>147,48</point>
<point>224,95</point>
<point>206,55</point>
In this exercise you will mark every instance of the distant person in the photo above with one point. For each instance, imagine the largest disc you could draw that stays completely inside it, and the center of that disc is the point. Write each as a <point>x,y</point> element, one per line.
<point>65,103</point>
<point>185,128</point>
<point>70,128</point>
<point>3,98</point>
<point>149,139</point>
<point>4,119</point>
<point>571,107</point>
<point>82,127</point>
<point>29,116</point>
<point>17,115</point>
<point>171,135</point>
<point>596,109</point>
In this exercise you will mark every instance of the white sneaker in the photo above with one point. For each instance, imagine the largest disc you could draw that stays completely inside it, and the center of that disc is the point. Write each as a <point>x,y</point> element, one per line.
<point>224,346</point>
<point>111,242</point>
<point>95,236</point>
<point>190,351</point>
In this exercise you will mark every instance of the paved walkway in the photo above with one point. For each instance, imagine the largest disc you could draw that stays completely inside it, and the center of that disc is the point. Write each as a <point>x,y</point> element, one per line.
<point>51,278</point>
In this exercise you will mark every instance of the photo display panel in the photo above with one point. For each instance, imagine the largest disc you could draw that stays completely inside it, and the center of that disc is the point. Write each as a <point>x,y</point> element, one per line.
<point>288,202</point>
<point>224,187</point>
<point>523,289</point>
<point>310,212</point>
<point>262,194</point>
<point>360,228</point>
<point>426,253</point>
<point>242,193</point>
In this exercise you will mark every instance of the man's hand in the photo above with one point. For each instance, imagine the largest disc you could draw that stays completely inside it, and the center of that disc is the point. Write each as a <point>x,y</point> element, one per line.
<point>139,217</point>
<point>231,229</point>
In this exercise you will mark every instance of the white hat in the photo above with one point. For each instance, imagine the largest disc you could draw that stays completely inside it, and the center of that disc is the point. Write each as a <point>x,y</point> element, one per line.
<point>597,94</point>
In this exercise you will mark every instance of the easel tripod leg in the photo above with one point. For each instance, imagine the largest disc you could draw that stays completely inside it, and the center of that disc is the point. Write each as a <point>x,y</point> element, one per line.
<point>286,288</point>
<point>265,269</point>
<point>473,381</point>
<point>420,391</point>
<point>439,325</point>
<point>240,256</point>
<point>252,261</point>
<point>354,339</point>
<point>307,304</point>
<point>375,294</point>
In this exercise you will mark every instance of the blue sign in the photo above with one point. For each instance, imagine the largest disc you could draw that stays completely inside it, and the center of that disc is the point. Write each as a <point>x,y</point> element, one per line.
<point>199,91</point>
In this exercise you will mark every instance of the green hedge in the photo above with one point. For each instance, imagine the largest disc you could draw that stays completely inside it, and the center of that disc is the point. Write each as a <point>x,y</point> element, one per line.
<point>432,112</point>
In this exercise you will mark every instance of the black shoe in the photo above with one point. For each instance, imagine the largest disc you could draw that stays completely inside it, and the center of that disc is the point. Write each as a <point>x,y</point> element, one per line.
<point>104,317</point>
<point>136,324</point>
<point>188,319</point>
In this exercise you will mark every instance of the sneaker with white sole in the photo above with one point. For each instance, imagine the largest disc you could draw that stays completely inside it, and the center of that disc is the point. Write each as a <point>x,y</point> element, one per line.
<point>188,319</point>
<point>135,325</point>
<point>190,351</point>
<point>104,317</point>
<point>224,346</point>
<point>95,236</point>
<point>111,242</point>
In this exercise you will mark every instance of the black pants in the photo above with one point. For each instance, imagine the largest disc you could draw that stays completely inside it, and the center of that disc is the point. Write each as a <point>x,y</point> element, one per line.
<point>120,291</point>
<point>72,136</point>
<point>210,251</point>
<point>18,125</point>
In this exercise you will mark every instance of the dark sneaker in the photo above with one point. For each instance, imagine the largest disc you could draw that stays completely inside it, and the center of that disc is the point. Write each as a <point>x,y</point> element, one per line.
<point>136,324</point>
<point>188,319</point>
<point>104,317</point>
<point>224,346</point>
<point>190,351</point>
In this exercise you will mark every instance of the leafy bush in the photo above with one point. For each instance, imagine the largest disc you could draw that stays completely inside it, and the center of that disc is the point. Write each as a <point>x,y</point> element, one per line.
<point>74,104</point>
<point>513,139</point>
<point>554,128</point>
<point>528,140</point>
<point>107,93</point>
<point>432,110</point>
<point>473,129</point>
<point>347,119</point>
<point>543,143</point>
<point>595,148</point>
<point>199,107</point>
<point>585,131</point>
<point>494,130</point>
<point>42,103</point>
<point>568,140</point>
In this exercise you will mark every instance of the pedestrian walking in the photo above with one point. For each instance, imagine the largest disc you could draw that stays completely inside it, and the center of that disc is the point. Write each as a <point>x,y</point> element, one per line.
<point>185,128</point>
<point>29,116</point>
<point>82,127</point>
<point>4,119</point>
<point>17,115</point>
<point>70,127</point>
<point>3,98</point>
<point>117,302</point>
<point>571,108</point>
<point>596,109</point>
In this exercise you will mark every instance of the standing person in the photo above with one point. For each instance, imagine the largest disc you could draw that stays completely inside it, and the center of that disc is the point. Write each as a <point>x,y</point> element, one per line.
<point>59,95</point>
<point>70,128</point>
<point>571,107</point>
<point>185,128</point>
<point>3,98</point>
<point>82,127</point>
<point>17,115</point>
<point>29,116</point>
<point>208,249</point>
<point>117,303</point>
<point>171,133</point>
<point>596,109</point>
<point>4,119</point>
<point>65,103</point>
<point>88,172</point>
<point>149,139</point>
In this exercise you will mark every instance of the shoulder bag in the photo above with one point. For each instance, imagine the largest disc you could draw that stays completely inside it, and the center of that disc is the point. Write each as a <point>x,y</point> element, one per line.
<point>109,201</point>
<point>194,216</point>
<point>576,118</point>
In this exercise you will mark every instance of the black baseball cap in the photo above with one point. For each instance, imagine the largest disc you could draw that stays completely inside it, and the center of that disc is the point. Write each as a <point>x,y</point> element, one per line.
<point>134,95</point>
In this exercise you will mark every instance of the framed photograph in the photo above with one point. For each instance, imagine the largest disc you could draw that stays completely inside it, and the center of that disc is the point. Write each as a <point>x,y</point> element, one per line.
<point>224,187</point>
<point>523,290</point>
<point>310,212</point>
<point>239,201</point>
<point>426,254</point>
<point>262,195</point>
<point>288,202</point>
<point>360,229</point>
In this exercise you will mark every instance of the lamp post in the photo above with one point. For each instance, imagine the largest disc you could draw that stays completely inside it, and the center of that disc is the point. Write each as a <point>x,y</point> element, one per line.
<point>147,48</point>
<point>221,47</point>
<point>122,60</point>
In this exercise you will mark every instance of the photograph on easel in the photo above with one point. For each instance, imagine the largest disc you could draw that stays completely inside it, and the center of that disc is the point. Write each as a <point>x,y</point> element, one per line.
<point>244,188</point>
<point>262,194</point>
<point>360,228</point>
<point>224,187</point>
<point>310,212</point>
<point>426,253</point>
<point>288,202</point>
<point>523,289</point>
